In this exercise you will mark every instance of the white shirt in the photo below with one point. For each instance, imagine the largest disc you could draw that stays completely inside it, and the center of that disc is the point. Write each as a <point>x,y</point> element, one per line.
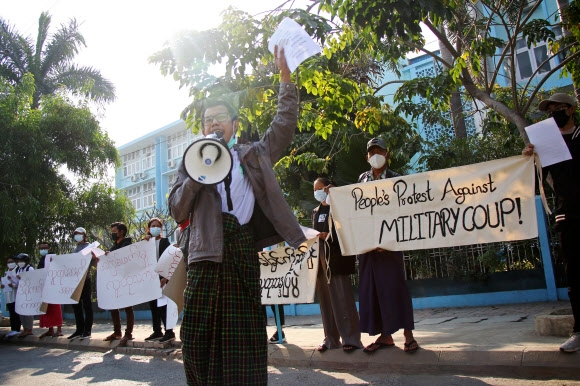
<point>241,192</point>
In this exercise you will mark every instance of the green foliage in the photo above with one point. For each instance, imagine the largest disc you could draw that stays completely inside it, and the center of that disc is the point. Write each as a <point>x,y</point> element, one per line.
<point>37,201</point>
<point>50,61</point>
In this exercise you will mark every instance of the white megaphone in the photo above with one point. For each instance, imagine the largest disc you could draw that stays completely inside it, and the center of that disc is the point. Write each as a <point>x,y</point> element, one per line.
<point>208,160</point>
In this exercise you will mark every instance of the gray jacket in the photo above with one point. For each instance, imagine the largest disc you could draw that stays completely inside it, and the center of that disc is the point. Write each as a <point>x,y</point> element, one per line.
<point>202,203</point>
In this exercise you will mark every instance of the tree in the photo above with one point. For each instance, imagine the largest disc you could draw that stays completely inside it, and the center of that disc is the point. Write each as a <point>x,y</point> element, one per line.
<point>337,100</point>
<point>37,201</point>
<point>479,56</point>
<point>50,60</point>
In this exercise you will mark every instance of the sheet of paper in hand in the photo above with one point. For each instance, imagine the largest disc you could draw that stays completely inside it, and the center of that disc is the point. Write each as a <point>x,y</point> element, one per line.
<point>288,275</point>
<point>298,45</point>
<point>29,294</point>
<point>64,274</point>
<point>168,261</point>
<point>127,276</point>
<point>472,204</point>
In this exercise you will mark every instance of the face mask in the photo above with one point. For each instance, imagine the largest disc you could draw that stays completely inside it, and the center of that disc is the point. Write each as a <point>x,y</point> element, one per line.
<point>79,238</point>
<point>11,265</point>
<point>114,236</point>
<point>43,252</point>
<point>561,118</point>
<point>233,141</point>
<point>22,264</point>
<point>320,195</point>
<point>155,231</point>
<point>377,161</point>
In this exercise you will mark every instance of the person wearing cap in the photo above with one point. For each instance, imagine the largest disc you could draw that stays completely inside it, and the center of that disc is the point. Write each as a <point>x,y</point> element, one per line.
<point>385,304</point>
<point>9,285</point>
<point>53,315</point>
<point>84,308</point>
<point>564,177</point>
<point>23,261</point>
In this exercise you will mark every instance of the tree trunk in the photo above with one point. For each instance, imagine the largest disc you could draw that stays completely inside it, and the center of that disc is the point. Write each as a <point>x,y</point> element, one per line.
<point>456,103</point>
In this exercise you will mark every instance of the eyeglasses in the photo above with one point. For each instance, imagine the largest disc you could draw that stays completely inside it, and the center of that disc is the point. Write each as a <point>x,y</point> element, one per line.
<point>221,117</point>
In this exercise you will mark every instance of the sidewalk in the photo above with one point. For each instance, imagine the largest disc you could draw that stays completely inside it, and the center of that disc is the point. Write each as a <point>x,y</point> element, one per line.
<point>492,341</point>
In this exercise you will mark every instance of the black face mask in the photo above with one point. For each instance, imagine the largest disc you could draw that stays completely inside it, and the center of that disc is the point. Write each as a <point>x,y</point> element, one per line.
<point>114,236</point>
<point>561,118</point>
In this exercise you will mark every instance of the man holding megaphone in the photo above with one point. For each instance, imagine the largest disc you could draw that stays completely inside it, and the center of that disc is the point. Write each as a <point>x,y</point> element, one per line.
<point>223,331</point>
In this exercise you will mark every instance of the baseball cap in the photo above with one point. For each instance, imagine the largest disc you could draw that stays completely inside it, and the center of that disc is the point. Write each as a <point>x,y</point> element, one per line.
<point>558,97</point>
<point>377,142</point>
<point>80,230</point>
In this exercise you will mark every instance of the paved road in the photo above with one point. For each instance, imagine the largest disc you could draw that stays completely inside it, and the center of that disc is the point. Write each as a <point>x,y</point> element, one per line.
<point>37,366</point>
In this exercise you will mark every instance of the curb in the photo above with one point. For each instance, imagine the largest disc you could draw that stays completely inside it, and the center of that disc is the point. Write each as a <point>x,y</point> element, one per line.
<point>529,362</point>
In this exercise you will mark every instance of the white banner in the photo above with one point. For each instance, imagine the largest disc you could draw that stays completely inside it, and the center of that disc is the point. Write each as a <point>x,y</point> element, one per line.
<point>288,275</point>
<point>29,293</point>
<point>481,203</point>
<point>64,274</point>
<point>127,276</point>
<point>168,261</point>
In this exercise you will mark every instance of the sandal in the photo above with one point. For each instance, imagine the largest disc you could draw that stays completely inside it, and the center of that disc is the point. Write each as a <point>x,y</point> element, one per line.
<point>322,348</point>
<point>111,337</point>
<point>371,348</point>
<point>43,335</point>
<point>124,340</point>
<point>409,349</point>
<point>57,334</point>
<point>349,348</point>
<point>24,334</point>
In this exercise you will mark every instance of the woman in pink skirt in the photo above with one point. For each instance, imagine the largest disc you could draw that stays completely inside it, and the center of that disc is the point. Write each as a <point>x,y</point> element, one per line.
<point>53,316</point>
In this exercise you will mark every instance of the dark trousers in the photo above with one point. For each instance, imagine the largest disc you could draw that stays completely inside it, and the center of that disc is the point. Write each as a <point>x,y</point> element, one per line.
<point>116,316</point>
<point>84,310</point>
<point>14,317</point>
<point>158,315</point>
<point>569,246</point>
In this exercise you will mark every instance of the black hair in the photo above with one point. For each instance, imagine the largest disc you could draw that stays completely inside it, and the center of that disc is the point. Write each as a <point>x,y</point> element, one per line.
<point>326,181</point>
<point>150,221</point>
<point>218,102</point>
<point>120,226</point>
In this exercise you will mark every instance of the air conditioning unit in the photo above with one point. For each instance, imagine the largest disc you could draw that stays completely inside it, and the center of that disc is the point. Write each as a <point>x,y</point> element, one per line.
<point>143,175</point>
<point>134,178</point>
<point>171,163</point>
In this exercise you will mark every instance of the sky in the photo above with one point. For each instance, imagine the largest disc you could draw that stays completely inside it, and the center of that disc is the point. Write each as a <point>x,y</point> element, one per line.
<point>120,36</point>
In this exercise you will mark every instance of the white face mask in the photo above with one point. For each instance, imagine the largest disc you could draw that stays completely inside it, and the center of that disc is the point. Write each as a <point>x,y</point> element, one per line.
<point>43,252</point>
<point>22,264</point>
<point>11,265</point>
<point>155,231</point>
<point>320,195</point>
<point>377,161</point>
<point>79,238</point>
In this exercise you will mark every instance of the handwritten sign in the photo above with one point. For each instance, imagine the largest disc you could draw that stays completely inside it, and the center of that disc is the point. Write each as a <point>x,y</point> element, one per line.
<point>548,142</point>
<point>169,261</point>
<point>481,203</point>
<point>288,275</point>
<point>29,294</point>
<point>298,45</point>
<point>127,276</point>
<point>64,274</point>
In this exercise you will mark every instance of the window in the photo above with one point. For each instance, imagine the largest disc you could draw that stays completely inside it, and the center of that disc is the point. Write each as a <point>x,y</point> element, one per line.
<point>134,195</point>
<point>131,163</point>
<point>530,60</point>
<point>148,160</point>
<point>149,194</point>
<point>176,145</point>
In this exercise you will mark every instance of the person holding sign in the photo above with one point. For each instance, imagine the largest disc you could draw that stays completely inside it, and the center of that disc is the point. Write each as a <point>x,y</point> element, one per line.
<point>158,314</point>
<point>9,285</point>
<point>53,315</point>
<point>118,235</point>
<point>337,304</point>
<point>385,304</point>
<point>23,261</point>
<point>564,177</point>
<point>84,308</point>
<point>223,330</point>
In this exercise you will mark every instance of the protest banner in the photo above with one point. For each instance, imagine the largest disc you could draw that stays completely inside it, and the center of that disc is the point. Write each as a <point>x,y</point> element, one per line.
<point>127,276</point>
<point>481,203</point>
<point>169,261</point>
<point>288,275</point>
<point>64,275</point>
<point>29,294</point>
